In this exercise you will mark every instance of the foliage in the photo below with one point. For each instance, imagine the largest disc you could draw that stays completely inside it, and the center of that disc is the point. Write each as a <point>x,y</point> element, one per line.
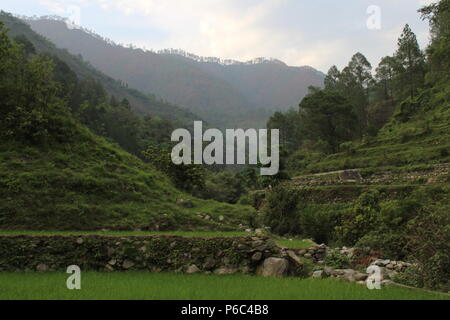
<point>280,211</point>
<point>429,244</point>
<point>190,178</point>
<point>337,260</point>
<point>328,116</point>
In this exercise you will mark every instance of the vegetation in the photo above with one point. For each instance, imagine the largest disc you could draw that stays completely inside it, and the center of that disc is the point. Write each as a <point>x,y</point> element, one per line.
<point>161,286</point>
<point>57,174</point>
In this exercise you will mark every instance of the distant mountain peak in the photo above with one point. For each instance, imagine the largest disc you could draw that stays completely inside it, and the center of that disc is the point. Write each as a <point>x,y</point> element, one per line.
<point>169,51</point>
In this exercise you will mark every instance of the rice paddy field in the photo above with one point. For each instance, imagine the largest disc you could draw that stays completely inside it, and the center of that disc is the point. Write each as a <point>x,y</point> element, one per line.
<point>166,286</point>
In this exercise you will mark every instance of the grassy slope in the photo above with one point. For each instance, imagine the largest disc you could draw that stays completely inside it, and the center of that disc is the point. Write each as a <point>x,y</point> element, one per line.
<point>148,286</point>
<point>422,139</point>
<point>405,152</point>
<point>89,184</point>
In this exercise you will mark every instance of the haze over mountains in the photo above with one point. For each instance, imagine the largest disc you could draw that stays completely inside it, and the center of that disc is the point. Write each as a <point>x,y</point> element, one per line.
<point>224,93</point>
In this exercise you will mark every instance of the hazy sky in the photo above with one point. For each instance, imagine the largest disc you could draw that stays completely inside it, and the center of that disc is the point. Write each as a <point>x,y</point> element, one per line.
<point>318,33</point>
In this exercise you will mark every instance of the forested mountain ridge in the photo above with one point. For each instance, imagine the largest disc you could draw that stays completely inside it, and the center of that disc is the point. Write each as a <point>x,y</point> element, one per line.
<point>243,94</point>
<point>141,103</point>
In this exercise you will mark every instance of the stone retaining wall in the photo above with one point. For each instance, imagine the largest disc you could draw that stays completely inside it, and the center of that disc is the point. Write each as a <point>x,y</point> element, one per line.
<point>220,255</point>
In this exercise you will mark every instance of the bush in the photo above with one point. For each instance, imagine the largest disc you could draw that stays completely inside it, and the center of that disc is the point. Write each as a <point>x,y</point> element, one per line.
<point>280,211</point>
<point>429,243</point>
<point>361,219</point>
<point>390,244</point>
<point>318,222</point>
<point>337,260</point>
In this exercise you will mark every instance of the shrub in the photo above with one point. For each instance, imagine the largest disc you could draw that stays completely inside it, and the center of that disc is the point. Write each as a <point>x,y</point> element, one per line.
<point>280,211</point>
<point>429,243</point>
<point>361,219</point>
<point>337,260</point>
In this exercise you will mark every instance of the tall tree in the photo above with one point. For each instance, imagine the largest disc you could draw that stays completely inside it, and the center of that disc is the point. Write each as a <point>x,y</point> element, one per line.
<point>332,78</point>
<point>355,79</point>
<point>328,116</point>
<point>385,76</point>
<point>410,62</point>
<point>438,15</point>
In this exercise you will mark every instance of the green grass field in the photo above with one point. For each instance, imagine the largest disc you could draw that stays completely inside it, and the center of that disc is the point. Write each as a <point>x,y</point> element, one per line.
<point>161,286</point>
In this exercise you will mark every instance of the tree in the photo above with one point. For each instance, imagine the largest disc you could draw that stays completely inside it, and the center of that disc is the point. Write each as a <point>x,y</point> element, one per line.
<point>438,15</point>
<point>190,178</point>
<point>288,123</point>
<point>410,63</point>
<point>328,116</point>
<point>31,109</point>
<point>332,78</point>
<point>385,76</point>
<point>355,80</point>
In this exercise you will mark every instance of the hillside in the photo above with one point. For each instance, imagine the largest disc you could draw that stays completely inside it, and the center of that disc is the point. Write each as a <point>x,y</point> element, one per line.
<point>55,174</point>
<point>89,184</point>
<point>226,95</point>
<point>143,104</point>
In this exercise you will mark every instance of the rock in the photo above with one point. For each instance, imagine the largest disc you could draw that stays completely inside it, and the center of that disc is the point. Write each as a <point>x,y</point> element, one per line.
<point>209,263</point>
<point>225,271</point>
<point>361,276</point>
<point>248,230</point>
<point>294,258</point>
<point>80,240</point>
<point>390,266</point>
<point>207,217</point>
<point>387,283</point>
<point>328,271</point>
<point>127,264</point>
<point>259,231</point>
<point>221,218</point>
<point>318,274</point>
<point>112,262</point>
<point>109,268</point>
<point>42,267</point>
<point>257,256</point>
<point>388,273</point>
<point>349,275</point>
<point>381,262</point>
<point>302,252</point>
<point>192,269</point>
<point>273,267</point>
<point>308,255</point>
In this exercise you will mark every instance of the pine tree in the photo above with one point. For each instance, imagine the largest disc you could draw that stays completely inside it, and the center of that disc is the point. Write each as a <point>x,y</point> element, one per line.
<point>410,62</point>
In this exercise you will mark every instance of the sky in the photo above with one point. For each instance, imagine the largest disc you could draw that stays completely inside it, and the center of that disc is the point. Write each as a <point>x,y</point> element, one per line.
<point>318,33</point>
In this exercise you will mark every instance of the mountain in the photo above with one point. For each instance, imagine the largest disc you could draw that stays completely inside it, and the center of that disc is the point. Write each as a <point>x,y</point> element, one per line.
<point>224,93</point>
<point>143,104</point>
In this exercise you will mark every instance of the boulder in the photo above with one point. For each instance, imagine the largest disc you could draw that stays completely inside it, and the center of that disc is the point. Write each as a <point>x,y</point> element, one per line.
<point>42,267</point>
<point>225,271</point>
<point>209,263</point>
<point>192,269</point>
<point>361,276</point>
<point>273,267</point>
<point>294,258</point>
<point>127,264</point>
<point>257,256</point>
<point>318,274</point>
